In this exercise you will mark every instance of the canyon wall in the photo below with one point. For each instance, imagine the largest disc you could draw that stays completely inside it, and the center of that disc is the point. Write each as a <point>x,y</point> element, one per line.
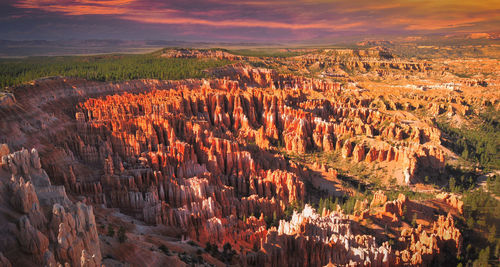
<point>211,161</point>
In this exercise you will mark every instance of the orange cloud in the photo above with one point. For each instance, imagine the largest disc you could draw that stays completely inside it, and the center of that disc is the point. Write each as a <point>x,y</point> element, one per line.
<point>438,25</point>
<point>326,15</point>
<point>82,7</point>
<point>242,23</point>
<point>163,16</point>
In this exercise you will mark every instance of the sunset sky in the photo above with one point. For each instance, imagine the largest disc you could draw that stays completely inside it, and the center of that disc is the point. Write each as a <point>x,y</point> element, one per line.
<point>247,20</point>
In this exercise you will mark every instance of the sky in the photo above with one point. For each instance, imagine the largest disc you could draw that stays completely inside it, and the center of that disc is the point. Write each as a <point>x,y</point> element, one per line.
<point>241,21</point>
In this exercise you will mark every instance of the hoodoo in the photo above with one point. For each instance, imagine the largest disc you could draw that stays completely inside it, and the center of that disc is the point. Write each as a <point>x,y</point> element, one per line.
<point>293,163</point>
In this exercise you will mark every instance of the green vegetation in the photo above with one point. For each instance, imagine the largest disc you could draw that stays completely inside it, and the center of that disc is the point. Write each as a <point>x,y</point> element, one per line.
<point>104,68</point>
<point>493,184</point>
<point>211,248</point>
<point>480,144</point>
<point>413,195</point>
<point>480,221</point>
<point>165,250</point>
<point>121,235</point>
<point>111,231</point>
<point>479,224</point>
<point>272,221</point>
<point>327,204</point>
<point>191,260</point>
<point>295,205</point>
<point>227,254</point>
<point>346,203</point>
<point>460,180</point>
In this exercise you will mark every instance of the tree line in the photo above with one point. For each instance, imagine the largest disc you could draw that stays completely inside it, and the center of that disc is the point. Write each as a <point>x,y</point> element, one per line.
<point>104,68</point>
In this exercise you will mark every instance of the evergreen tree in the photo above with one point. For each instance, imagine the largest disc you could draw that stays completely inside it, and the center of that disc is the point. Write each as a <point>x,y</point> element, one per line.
<point>451,184</point>
<point>414,220</point>
<point>483,258</point>
<point>321,205</point>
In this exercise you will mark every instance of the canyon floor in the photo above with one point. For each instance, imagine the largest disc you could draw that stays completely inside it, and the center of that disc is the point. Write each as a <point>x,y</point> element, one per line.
<point>310,157</point>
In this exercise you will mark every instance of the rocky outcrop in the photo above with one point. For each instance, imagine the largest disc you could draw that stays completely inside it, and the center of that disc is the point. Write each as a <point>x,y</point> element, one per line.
<point>4,261</point>
<point>31,240</point>
<point>347,149</point>
<point>398,208</point>
<point>358,154</point>
<point>310,239</point>
<point>203,159</point>
<point>453,200</point>
<point>268,78</point>
<point>66,235</point>
<point>360,60</point>
<point>424,247</point>
<point>379,198</point>
<point>199,53</point>
<point>7,100</point>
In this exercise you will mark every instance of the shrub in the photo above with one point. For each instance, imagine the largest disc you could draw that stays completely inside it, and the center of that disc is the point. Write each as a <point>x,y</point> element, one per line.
<point>111,230</point>
<point>164,249</point>
<point>121,235</point>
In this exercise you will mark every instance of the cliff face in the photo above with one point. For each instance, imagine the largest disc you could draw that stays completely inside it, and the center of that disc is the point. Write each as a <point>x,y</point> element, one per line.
<point>194,53</point>
<point>44,227</point>
<point>205,159</point>
<point>268,78</point>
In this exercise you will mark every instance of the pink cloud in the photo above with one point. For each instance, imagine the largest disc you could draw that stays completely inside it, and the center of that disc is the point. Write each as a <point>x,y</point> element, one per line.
<point>296,15</point>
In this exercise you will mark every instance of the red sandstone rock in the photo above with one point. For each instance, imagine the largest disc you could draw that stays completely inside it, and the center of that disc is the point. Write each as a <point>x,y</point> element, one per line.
<point>294,243</point>
<point>358,153</point>
<point>70,239</point>
<point>379,198</point>
<point>396,208</point>
<point>453,200</point>
<point>425,245</point>
<point>180,153</point>
<point>347,149</point>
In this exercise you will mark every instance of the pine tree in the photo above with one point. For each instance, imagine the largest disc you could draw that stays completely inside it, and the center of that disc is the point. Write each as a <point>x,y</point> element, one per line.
<point>321,205</point>
<point>451,184</point>
<point>414,220</point>
<point>465,153</point>
<point>483,258</point>
<point>492,235</point>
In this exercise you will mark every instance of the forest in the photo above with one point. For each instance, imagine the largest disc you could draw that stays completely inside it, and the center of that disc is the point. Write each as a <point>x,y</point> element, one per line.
<point>479,144</point>
<point>104,68</point>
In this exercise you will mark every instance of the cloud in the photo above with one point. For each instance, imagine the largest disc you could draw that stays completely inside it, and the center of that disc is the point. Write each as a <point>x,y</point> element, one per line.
<point>296,17</point>
<point>79,7</point>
